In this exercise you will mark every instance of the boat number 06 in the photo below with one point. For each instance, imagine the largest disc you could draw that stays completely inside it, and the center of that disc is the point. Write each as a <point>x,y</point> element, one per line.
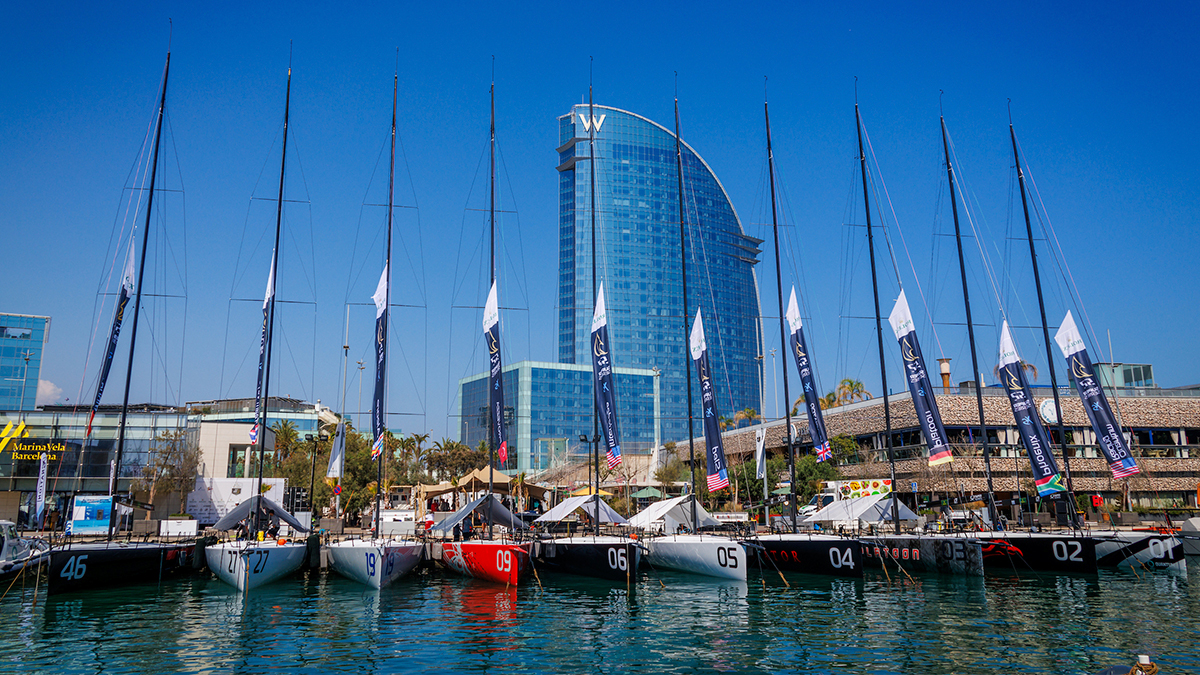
<point>75,568</point>
<point>727,557</point>
<point>503,561</point>
<point>840,558</point>
<point>1068,550</point>
<point>616,559</point>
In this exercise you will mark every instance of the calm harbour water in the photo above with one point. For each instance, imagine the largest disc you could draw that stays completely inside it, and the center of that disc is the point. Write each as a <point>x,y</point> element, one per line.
<point>439,622</point>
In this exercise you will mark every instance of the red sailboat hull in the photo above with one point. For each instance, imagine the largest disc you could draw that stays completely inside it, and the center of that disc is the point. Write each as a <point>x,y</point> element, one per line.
<point>497,561</point>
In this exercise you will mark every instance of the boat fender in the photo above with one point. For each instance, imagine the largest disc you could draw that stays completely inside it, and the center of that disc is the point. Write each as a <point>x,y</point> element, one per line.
<point>312,552</point>
<point>199,561</point>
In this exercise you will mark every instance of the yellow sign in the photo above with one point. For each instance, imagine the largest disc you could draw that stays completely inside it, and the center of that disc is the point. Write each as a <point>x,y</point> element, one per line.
<point>9,433</point>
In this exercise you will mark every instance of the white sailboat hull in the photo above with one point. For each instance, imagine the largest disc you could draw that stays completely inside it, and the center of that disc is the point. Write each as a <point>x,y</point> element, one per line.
<point>1141,551</point>
<point>705,554</point>
<point>250,564</point>
<point>375,562</point>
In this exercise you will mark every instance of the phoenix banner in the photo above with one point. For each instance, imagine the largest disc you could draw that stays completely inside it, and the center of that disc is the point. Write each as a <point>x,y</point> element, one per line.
<point>491,334</point>
<point>1095,403</point>
<point>378,404</point>
<point>919,385</point>
<point>127,283</point>
<point>262,349</point>
<point>718,473</point>
<point>606,394</point>
<point>812,402</point>
<point>1033,435</point>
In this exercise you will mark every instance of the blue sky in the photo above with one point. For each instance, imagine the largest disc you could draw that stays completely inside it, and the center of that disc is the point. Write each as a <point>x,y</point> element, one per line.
<point>1102,97</point>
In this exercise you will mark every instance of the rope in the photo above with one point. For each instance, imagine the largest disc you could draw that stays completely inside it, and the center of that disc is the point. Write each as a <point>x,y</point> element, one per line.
<point>1144,669</point>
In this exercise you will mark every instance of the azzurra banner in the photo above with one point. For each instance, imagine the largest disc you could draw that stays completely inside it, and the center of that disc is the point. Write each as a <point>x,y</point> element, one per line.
<point>1029,425</point>
<point>918,383</point>
<point>378,413</point>
<point>127,283</point>
<point>718,473</point>
<point>812,402</point>
<point>606,394</point>
<point>1095,403</point>
<point>491,335</point>
<point>262,349</point>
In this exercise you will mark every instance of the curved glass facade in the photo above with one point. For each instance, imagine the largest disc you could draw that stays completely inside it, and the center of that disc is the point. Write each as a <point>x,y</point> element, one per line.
<point>638,259</point>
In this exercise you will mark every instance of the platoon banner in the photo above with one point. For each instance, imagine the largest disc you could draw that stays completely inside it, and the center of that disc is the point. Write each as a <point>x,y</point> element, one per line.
<point>378,413</point>
<point>126,293</point>
<point>1033,435</point>
<point>718,473</point>
<point>919,385</point>
<point>1095,403</point>
<point>262,349</point>
<point>491,334</point>
<point>812,402</point>
<point>606,395</point>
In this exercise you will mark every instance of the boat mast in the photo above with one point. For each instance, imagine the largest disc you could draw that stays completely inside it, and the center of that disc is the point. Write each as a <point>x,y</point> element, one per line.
<point>137,303</point>
<point>783,348</point>
<point>492,261</point>
<point>1037,280</point>
<point>887,411</point>
<point>387,296</point>
<point>595,385</point>
<point>962,268</point>
<point>687,358</point>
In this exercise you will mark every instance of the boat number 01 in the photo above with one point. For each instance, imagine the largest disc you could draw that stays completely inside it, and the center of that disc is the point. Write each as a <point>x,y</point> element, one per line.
<point>75,568</point>
<point>1068,550</point>
<point>727,557</point>
<point>616,559</point>
<point>503,561</point>
<point>1157,549</point>
<point>840,558</point>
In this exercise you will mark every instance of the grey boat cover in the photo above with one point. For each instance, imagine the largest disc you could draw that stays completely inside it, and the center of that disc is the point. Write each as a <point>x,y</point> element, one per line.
<point>241,511</point>
<point>485,505</point>
<point>585,502</point>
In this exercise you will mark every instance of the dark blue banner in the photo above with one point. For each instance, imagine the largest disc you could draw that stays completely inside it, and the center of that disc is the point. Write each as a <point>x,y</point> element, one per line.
<point>1033,435</point>
<point>113,335</point>
<point>812,401</point>
<point>262,351</point>
<point>606,393</point>
<point>718,473</point>
<point>491,334</point>
<point>924,402</point>
<point>1095,403</point>
<point>378,403</point>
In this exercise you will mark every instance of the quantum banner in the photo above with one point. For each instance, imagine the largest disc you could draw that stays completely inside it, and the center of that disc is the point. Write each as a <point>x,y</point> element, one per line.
<point>1095,403</point>
<point>606,394</point>
<point>718,473</point>
<point>812,402</point>
<point>1033,435</point>
<point>919,385</point>
<point>127,281</point>
<point>491,335</point>
<point>378,412</point>
<point>262,350</point>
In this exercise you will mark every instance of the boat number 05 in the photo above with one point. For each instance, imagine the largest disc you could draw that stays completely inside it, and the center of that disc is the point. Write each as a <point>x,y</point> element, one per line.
<point>840,558</point>
<point>1068,550</point>
<point>616,559</point>
<point>727,557</point>
<point>503,561</point>
<point>75,568</point>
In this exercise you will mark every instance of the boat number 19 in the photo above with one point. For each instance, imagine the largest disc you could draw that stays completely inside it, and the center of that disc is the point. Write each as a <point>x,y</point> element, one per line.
<point>1068,550</point>
<point>75,568</point>
<point>616,559</point>
<point>727,557</point>
<point>503,561</point>
<point>840,558</point>
<point>386,561</point>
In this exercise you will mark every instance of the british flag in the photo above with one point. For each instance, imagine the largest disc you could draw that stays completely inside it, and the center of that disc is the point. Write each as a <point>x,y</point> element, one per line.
<point>824,452</point>
<point>377,447</point>
<point>254,433</point>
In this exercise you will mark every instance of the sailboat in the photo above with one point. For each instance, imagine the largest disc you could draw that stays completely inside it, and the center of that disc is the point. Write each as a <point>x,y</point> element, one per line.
<point>379,561</point>
<point>706,554</point>
<point>247,564</point>
<point>503,560</point>
<point>78,566</point>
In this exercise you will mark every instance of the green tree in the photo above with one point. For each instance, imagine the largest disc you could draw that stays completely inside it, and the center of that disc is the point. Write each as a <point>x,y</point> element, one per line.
<point>810,474</point>
<point>171,466</point>
<point>844,448</point>
<point>751,486</point>
<point>746,415</point>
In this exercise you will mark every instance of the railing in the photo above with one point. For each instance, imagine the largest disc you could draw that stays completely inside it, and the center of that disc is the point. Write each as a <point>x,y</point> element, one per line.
<point>871,455</point>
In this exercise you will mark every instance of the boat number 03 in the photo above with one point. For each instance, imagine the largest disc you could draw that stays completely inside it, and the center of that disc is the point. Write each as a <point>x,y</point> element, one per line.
<point>1068,550</point>
<point>503,561</point>
<point>387,564</point>
<point>727,557</point>
<point>840,558</point>
<point>616,559</point>
<point>75,568</point>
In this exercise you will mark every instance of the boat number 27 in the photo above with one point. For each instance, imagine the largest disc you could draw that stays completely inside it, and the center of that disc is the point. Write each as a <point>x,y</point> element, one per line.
<point>75,567</point>
<point>260,562</point>
<point>727,557</point>
<point>1068,550</point>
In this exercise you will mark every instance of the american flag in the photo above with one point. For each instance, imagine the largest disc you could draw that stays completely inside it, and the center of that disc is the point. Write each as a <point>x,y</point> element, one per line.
<point>377,447</point>
<point>824,452</point>
<point>254,433</point>
<point>613,458</point>
<point>1119,470</point>
<point>717,481</point>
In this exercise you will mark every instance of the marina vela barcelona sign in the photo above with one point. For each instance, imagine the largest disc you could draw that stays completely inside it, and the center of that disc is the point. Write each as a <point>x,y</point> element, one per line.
<point>1029,425</point>
<point>718,473</point>
<point>12,440</point>
<point>606,394</point>
<point>918,383</point>
<point>1095,403</point>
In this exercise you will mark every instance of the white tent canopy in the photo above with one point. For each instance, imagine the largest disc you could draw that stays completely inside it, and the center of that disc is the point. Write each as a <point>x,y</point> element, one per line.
<point>673,513</point>
<point>871,509</point>
<point>585,502</point>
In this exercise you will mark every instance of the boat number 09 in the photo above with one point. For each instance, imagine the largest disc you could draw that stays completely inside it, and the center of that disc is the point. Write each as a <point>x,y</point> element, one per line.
<point>503,561</point>
<point>75,568</point>
<point>840,558</point>
<point>727,557</point>
<point>1068,551</point>
<point>616,559</point>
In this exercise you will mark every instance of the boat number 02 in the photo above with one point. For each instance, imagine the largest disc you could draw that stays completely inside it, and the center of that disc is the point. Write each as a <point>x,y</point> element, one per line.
<point>503,561</point>
<point>616,559</point>
<point>840,558</point>
<point>75,568</point>
<point>727,557</point>
<point>1068,550</point>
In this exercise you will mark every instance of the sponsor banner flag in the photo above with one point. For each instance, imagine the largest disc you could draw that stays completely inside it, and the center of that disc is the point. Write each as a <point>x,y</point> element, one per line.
<point>40,505</point>
<point>812,402</point>
<point>919,385</point>
<point>1095,403</point>
<point>718,472</point>
<point>378,413</point>
<point>760,454</point>
<point>127,283</point>
<point>262,350</point>
<point>491,335</point>
<point>337,455</point>
<point>1033,435</point>
<point>606,394</point>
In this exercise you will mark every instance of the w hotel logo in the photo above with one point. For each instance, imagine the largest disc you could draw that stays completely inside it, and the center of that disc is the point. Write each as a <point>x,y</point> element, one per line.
<point>592,123</point>
<point>9,433</point>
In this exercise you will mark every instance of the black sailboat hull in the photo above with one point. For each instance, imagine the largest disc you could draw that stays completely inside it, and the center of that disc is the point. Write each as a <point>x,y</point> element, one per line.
<point>810,554</point>
<point>78,567</point>
<point>615,560</point>
<point>928,553</point>
<point>1038,552</point>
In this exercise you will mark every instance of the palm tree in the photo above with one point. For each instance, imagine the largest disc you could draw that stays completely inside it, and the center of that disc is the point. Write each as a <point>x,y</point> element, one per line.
<point>749,415</point>
<point>851,390</point>
<point>829,400</point>
<point>1030,370</point>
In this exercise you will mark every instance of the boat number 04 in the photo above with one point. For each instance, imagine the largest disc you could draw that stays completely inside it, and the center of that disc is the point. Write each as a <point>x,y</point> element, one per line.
<point>387,564</point>
<point>503,561</point>
<point>840,558</point>
<point>1068,550</point>
<point>75,568</point>
<point>727,557</point>
<point>617,560</point>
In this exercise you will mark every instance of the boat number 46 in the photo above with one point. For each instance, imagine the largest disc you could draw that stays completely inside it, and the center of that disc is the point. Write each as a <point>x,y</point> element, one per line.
<point>840,558</point>
<point>75,567</point>
<point>616,559</point>
<point>727,557</point>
